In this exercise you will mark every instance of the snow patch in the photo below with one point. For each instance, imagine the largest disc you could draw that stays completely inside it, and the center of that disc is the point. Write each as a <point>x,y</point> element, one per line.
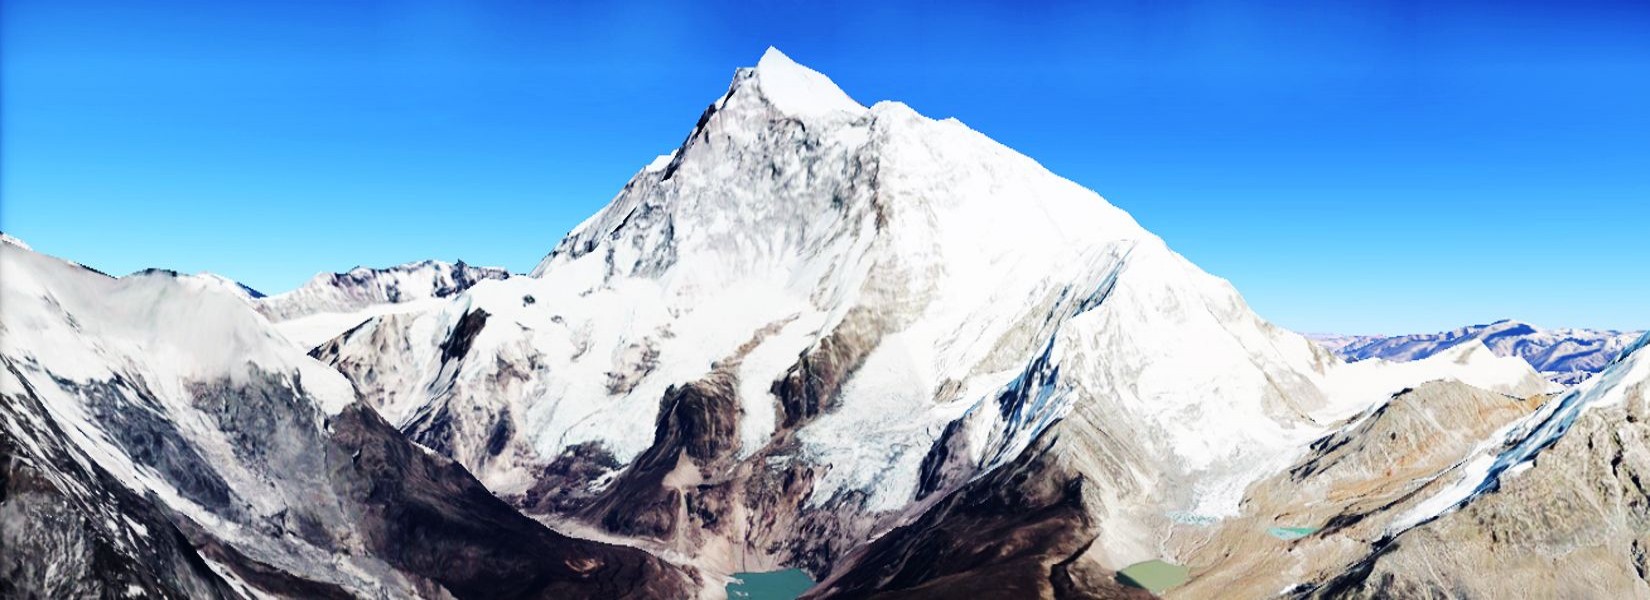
<point>659,163</point>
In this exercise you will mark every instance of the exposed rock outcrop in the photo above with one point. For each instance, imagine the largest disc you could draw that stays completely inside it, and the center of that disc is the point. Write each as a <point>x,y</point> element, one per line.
<point>1018,532</point>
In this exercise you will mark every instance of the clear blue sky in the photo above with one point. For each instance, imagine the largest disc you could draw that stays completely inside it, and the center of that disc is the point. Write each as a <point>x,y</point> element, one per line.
<point>1355,167</point>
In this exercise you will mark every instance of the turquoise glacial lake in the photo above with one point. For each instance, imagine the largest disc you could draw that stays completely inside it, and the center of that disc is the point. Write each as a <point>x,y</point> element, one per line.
<point>1291,533</point>
<point>773,585</point>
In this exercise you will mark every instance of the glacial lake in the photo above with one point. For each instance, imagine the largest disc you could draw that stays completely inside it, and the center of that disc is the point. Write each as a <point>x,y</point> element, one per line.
<point>773,585</point>
<point>1291,533</point>
<point>1153,575</point>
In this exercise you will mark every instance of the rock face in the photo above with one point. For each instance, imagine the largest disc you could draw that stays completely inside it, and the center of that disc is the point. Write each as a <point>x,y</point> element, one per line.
<point>69,530</point>
<point>1566,356</point>
<point>815,320</point>
<point>156,438</point>
<point>1015,533</point>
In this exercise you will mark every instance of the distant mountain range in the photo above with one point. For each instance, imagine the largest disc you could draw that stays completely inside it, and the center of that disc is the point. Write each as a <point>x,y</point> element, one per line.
<point>1566,356</point>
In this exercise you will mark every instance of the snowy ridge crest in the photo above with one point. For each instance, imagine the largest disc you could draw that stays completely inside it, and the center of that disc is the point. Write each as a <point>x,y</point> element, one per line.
<point>8,239</point>
<point>87,325</point>
<point>363,287</point>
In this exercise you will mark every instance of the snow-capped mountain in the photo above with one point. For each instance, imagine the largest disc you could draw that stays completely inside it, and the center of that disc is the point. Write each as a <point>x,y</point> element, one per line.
<point>814,320</point>
<point>1563,355</point>
<point>159,439</point>
<point>855,340</point>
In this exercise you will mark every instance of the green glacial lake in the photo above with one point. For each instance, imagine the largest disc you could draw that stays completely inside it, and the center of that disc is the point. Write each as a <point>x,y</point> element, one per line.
<point>1291,533</point>
<point>773,585</point>
<point>1154,575</point>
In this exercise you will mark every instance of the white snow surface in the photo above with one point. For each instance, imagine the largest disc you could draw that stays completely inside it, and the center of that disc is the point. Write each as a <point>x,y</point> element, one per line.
<point>82,326</point>
<point>8,239</point>
<point>1471,363</point>
<point>314,329</point>
<point>331,304</point>
<point>793,206</point>
<point>800,91</point>
<point>234,288</point>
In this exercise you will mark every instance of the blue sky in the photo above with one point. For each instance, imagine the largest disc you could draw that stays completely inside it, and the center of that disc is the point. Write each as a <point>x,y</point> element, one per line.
<point>1363,167</point>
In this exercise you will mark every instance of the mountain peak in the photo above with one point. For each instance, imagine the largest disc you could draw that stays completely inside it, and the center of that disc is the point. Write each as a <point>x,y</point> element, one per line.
<point>799,90</point>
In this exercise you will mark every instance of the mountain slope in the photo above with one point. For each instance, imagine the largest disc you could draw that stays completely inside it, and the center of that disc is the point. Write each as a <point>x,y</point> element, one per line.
<point>1566,356</point>
<point>160,439</point>
<point>814,320</point>
<point>1319,517</point>
<point>1555,507</point>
